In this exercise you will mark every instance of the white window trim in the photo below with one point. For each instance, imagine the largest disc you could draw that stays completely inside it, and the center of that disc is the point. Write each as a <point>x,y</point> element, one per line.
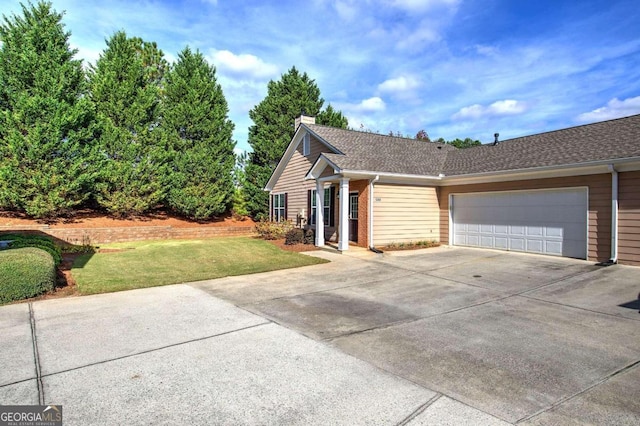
<point>306,145</point>
<point>327,208</point>
<point>277,208</point>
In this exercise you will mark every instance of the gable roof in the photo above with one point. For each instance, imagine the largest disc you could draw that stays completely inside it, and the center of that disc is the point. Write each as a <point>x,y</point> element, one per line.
<point>604,141</point>
<point>364,151</point>
<point>371,153</point>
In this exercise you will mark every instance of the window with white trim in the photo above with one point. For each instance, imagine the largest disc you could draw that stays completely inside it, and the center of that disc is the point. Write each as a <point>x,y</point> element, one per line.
<point>328,205</point>
<point>306,145</point>
<point>279,207</point>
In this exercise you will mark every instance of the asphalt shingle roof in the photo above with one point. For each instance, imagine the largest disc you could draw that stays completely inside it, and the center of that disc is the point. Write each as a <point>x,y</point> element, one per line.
<point>607,140</point>
<point>379,153</point>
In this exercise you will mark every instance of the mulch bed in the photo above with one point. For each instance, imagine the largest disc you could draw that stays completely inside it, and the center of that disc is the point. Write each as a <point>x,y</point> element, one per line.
<point>295,247</point>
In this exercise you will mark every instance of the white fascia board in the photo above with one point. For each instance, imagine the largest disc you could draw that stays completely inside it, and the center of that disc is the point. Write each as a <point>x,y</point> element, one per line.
<point>385,176</point>
<point>318,167</point>
<point>324,142</point>
<point>286,157</point>
<point>293,145</point>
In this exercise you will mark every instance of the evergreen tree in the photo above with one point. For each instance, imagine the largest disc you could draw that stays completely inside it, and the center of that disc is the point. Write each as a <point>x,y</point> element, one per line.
<point>46,122</point>
<point>199,134</point>
<point>125,86</point>
<point>333,118</point>
<point>273,129</point>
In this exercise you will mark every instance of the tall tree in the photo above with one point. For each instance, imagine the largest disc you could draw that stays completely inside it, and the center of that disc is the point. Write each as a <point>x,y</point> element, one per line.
<point>125,86</point>
<point>333,118</point>
<point>199,135</point>
<point>46,122</point>
<point>273,129</point>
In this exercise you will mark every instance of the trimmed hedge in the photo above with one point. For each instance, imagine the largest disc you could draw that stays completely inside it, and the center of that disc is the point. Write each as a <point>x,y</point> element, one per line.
<point>25,272</point>
<point>268,230</point>
<point>38,241</point>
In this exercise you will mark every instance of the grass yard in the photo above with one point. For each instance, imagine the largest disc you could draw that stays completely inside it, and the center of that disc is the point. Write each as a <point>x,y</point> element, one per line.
<point>126,266</point>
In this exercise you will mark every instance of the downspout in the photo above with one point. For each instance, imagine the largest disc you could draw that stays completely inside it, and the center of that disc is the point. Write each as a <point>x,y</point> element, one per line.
<point>371,182</point>
<point>614,215</point>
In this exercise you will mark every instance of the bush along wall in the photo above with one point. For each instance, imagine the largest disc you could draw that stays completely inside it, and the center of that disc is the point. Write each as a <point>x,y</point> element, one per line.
<point>25,272</point>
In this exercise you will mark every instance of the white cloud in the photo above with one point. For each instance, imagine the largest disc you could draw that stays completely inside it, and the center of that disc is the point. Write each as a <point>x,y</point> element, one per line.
<point>243,64</point>
<point>371,104</point>
<point>422,5</point>
<point>615,108</point>
<point>498,108</point>
<point>404,83</point>
<point>347,10</point>
<point>425,34</point>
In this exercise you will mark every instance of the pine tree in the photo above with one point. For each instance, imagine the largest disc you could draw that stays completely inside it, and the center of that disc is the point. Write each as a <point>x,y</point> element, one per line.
<point>46,122</point>
<point>199,134</point>
<point>273,129</point>
<point>125,86</point>
<point>333,118</point>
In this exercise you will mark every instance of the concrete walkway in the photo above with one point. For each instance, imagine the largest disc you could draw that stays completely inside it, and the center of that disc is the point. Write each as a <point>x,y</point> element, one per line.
<point>436,337</point>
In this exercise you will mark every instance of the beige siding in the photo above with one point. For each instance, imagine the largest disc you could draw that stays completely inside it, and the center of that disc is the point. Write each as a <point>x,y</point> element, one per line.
<point>404,213</point>
<point>293,184</point>
<point>629,218</point>
<point>292,179</point>
<point>599,218</point>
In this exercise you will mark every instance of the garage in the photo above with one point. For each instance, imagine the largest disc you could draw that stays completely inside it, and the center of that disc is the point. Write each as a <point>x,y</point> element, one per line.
<point>552,222</point>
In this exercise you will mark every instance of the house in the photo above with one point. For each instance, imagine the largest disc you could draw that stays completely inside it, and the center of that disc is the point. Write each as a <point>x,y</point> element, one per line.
<point>573,192</point>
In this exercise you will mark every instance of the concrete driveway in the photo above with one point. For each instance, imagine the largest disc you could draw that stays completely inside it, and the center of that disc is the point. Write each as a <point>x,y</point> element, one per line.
<point>526,339</point>
<point>443,336</point>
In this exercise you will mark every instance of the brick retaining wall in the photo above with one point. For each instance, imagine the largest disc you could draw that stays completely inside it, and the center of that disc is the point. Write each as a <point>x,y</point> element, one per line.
<point>94,236</point>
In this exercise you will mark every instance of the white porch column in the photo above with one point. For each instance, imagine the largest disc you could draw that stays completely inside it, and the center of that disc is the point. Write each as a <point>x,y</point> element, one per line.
<point>343,231</point>
<point>319,214</point>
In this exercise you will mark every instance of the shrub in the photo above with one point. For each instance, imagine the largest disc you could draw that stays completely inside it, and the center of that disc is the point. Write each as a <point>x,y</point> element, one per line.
<point>38,241</point>
<point>294,236</point>
<point>268,230</point>
<point>309,236</point>
<point>25,272</point>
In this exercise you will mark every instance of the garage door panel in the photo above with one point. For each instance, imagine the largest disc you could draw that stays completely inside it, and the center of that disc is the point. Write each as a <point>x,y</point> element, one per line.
<point>554,247</point>
<point>550,222</point>
<point>534,231</point>
<point>501,243</point>
<point>534,246</point>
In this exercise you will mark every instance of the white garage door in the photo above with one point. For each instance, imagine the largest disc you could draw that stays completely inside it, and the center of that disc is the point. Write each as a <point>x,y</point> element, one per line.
<point>548,222</point>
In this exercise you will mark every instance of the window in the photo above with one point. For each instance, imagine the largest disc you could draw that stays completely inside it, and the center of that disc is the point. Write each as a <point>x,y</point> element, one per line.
<point>279,207</point>
<point>306,145</point>
<point>328,207</point>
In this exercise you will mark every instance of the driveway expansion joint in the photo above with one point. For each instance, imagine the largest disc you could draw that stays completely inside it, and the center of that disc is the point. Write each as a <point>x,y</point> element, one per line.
<point>419,410</point>
<point>561,401</point>
<point>580,308</point>
<point>36,355</point>
<point>199,339</point>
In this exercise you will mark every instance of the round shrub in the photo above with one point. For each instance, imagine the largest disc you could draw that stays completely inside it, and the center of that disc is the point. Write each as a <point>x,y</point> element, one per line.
<point>38,241</point>
<point>294,236</point>
<point>25,272</point>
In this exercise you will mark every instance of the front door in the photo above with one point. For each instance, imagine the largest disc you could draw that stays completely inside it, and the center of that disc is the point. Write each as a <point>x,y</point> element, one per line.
<point>353,217</point>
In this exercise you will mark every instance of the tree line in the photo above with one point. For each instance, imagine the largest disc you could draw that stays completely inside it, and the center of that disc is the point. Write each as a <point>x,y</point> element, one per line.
<point>128,134</point>
<point>132,133</point>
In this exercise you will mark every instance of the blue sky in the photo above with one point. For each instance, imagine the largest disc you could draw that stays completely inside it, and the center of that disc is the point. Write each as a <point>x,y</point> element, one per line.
<point>454,68</point>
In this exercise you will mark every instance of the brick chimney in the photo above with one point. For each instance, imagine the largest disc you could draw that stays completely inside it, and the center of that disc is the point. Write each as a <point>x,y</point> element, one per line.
<point>304,119</point>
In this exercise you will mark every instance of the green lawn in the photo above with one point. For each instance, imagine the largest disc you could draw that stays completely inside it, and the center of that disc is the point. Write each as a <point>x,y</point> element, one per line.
<point>153,263</point>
